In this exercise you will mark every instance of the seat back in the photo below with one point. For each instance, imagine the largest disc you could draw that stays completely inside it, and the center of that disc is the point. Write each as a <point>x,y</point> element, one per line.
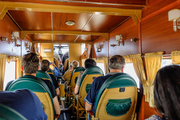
<point>74,76</point>
<point>39,88</point>
<point>117,98</point>
<point>66,65</point>
<point>50,72</point>
<point>86,80</point>
<point>7,113</point>
<point>43,75</point>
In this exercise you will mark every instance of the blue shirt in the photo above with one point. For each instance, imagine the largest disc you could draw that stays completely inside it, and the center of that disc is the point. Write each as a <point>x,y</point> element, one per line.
<point>96,85</point>
<point>25,102</point>
<point>56,72</point>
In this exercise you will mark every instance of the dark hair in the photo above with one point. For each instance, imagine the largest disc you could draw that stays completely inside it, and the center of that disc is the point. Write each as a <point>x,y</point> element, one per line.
<point>116,62</point>
<point>167,92</point>
<point>45,65</point>
<point>30,63</point>
<point>89,63</point>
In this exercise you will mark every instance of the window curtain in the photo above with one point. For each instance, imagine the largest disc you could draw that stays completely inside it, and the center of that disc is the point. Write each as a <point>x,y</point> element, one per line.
<point>153,64</point>
<point>175,55</point>
<point>127,58</point>
<point>19,61</point>
<point>3,58</point>
<point>106,65</point>
<point>95,59</point>
<point>139,68</point>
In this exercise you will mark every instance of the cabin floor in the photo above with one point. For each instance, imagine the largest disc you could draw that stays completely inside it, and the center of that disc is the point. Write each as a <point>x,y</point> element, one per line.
<point>66,111</point>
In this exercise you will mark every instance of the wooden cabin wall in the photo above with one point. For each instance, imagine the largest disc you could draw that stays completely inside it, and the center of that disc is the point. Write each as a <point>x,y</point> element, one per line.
<point>155,32</point>
<point>8,47</point>
<point>158,34</point>
<point>128,30</point>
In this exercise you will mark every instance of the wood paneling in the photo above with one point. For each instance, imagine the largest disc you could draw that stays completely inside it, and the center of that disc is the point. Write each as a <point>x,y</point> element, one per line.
<point>128,30</point>
<point>6,28</point>
<point>158,35</point>
<point>84,38</point>
<point>104,48</point>
<point>65,37</point>
<point>126,4</point>
<point>28,20</point>
<point>103,23</point>
<point>59,20</point>
<point>154,5</point>
<point>74,52</point>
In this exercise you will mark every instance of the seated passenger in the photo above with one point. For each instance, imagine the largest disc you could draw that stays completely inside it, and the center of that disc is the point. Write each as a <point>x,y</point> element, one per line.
<point>25,102</point>
<point>56,70</point>
<point>30,64</point>
<point>88,63</point>
<point>67,74</point>
<point>45,67</point>
<point>61,67</point>
<point>116,65</point>
<point>167,92</point>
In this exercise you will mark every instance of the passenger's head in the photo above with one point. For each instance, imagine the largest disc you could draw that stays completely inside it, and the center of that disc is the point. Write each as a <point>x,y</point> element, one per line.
<point>75,64</point>
<point>89,63</point>
<point>45,65</point>
<point>30,63</point>
<point>116,62</point>
<point>167,92</point>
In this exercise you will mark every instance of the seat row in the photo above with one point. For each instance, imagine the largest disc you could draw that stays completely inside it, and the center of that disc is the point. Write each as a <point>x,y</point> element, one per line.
<point>116,99</point>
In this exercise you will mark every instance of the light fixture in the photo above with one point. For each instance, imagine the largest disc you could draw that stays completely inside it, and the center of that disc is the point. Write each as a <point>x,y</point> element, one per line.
<point>28,45</point>
<point>98,47</point>
<point>15,35</point>
<point>119,38</point>
<point>4,38</point>
<point>70,22</point>
<point>174,15</point>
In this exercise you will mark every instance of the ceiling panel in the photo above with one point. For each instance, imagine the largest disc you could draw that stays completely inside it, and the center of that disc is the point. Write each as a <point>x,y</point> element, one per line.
<point>128,4</point>
<point>104,23</point>
<point>42,37</point>
<point>87,38</point>
<point>28,20</point>
<point>64,37</point>
<point>140,2</point>
<point>59,20</point>
<point>84,38</point>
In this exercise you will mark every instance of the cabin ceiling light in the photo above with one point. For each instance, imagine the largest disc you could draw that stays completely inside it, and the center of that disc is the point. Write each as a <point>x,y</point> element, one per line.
<point>119,38</point>
<point>174,15</point>
<point>98,47</point>
<point>70,22</point>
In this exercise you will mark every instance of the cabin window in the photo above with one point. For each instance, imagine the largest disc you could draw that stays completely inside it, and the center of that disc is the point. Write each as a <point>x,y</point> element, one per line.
<point>166,62</point>
<point>129,69</point>
<point>83,46</point>
<point>9,72</point>
<point>101,65</point>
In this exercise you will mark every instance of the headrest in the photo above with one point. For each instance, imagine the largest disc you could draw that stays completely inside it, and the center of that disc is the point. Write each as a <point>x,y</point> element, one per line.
<point>43,75</point>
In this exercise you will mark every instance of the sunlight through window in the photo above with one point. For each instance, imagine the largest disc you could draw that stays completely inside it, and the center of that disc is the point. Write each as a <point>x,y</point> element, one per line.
<point>101,65</point>
<point>129,69</point>
<point>9,73</point>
